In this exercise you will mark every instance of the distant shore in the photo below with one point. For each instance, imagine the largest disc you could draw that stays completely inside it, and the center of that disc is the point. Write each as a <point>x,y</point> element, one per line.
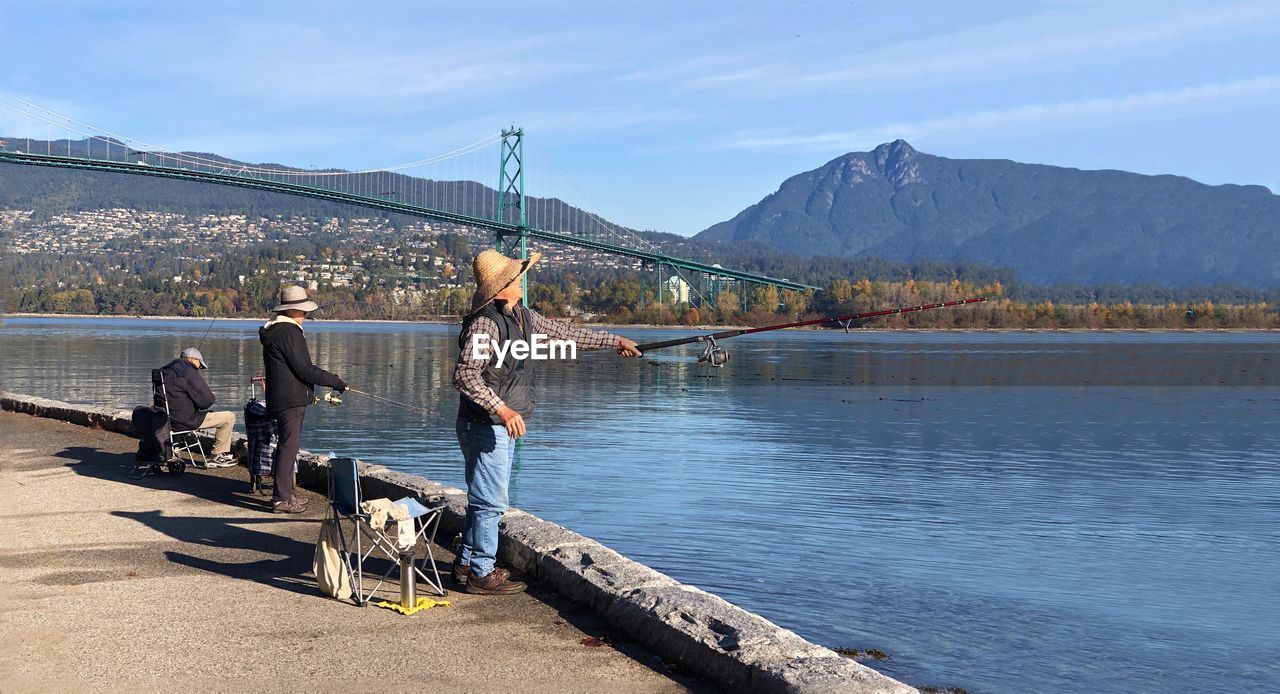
<point>653,326</point>
<point>431,321</point>
<point>205,319</point>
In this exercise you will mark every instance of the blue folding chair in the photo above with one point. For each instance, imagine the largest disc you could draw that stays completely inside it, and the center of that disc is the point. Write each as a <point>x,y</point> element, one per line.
<point>344,505</point>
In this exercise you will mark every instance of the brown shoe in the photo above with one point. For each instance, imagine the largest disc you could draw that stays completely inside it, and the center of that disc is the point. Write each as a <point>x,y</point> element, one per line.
<point>294,505</point>
<point>462,573</point>
<point>495,583</point>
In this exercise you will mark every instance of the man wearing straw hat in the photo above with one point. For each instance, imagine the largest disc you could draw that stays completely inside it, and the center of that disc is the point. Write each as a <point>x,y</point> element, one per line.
<point>290,379</point>
<point>497,395</point>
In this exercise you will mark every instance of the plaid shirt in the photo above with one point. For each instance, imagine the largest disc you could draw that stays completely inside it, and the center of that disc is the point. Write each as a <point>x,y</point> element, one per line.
<point>468,375</point>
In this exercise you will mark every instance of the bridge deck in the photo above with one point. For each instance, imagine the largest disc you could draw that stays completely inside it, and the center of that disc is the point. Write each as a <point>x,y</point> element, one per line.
<point>229,178</point>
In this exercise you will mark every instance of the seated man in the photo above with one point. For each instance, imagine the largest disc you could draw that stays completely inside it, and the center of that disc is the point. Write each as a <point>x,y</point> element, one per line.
<point>189,401</point>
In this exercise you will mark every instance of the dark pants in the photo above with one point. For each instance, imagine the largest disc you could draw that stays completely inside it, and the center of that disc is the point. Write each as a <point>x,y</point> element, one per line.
<point>289,428</point>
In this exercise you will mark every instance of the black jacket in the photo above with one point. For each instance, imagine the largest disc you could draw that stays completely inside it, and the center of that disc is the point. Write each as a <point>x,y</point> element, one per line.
<point>290,373</point>
<point>189,395</point>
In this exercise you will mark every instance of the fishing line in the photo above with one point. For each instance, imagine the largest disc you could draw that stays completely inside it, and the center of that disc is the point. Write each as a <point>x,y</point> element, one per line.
<point>389,401</point>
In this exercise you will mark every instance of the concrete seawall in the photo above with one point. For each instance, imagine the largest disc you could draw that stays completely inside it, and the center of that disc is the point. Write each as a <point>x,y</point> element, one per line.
<point>701,632</point>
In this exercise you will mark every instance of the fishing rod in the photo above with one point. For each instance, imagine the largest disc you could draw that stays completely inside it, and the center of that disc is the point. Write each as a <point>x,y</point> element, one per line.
<point>206,332</point>
<point>718,356</point>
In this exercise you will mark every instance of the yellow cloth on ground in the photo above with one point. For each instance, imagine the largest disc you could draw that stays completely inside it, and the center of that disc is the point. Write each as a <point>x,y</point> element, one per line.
<point>423,604</point>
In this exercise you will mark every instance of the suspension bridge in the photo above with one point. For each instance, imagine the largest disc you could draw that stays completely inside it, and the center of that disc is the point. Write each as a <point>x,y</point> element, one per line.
<point>514,218</point>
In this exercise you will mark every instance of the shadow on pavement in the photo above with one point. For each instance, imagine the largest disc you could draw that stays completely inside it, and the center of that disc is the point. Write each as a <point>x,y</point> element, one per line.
<point>287,565</point>
<point>288,562</point>
<point>217,486</point>
<point>290,571</point>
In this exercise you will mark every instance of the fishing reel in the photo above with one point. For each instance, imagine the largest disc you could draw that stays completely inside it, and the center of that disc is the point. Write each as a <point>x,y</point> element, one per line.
<point>714,354</point>
<point>332,397</point>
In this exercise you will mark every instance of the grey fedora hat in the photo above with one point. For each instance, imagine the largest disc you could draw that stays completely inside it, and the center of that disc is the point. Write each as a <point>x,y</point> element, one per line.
<point>294,298</point>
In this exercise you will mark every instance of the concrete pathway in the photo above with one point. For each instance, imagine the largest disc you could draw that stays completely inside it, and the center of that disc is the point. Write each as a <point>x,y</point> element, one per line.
<point>185,583</point>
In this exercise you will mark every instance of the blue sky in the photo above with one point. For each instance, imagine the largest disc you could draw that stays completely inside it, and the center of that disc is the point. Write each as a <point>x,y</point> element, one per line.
<point>668,115</point>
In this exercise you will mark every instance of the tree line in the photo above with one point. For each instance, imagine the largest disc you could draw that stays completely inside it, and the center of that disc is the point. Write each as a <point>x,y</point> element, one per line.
<point>242,282</point>
<point>627,300</point>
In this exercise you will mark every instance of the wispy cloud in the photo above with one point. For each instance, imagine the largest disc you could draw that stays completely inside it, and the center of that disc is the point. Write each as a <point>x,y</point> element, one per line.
<point>1062,38</point>
<point>1057,115</point>
<point>604,119</point>
<point>294,65</point>
<point>1031,45</point>
<point>708,66</point>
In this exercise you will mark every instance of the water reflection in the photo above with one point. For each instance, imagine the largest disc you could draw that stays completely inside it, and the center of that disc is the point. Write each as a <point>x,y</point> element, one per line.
<point>965,502</point>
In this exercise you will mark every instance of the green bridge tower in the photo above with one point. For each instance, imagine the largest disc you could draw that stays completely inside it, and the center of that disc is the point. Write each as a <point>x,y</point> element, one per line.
<point>511,207</point>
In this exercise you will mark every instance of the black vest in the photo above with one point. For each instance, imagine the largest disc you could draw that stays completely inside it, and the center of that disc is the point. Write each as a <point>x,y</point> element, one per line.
<point>512,380</point>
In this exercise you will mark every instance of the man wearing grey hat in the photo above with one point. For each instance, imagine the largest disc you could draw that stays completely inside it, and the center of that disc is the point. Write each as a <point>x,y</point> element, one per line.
<point>189,401</point>
<point>291,378</point>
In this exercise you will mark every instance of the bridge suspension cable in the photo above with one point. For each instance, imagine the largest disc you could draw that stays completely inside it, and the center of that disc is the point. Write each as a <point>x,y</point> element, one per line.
<point>88,130</point>
<point>458,190</point>
<point>461,199</point>
<point>626,236</point>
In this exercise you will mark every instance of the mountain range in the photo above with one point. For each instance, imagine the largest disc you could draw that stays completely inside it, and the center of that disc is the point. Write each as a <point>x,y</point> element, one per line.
<point>1049,224</point>
<point>1044,225</point>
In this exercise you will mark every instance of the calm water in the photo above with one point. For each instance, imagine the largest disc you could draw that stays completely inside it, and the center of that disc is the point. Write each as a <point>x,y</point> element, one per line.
<point>1000,512</point>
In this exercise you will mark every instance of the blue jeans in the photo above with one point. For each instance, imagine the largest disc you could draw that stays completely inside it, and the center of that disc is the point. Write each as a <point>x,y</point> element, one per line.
<point>489,452</point>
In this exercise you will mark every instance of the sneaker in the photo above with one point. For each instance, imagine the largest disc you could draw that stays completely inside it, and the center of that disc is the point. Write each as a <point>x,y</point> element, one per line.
<point>294,505</point>
<point>222,460</point>
<point>496,583</point>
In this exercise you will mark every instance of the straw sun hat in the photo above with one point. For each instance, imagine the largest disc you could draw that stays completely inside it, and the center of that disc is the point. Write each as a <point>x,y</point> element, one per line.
<point>495,272</point>
<point>294,298</point>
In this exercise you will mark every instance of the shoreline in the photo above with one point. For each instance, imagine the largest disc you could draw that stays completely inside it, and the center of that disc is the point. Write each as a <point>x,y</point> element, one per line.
<point>656,326</point>
<point>85,607</point>
<point>702,633</point>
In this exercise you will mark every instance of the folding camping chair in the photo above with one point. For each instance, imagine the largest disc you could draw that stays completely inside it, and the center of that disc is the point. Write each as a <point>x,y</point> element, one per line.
<point>344,505</point>
<point>180,441</point>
